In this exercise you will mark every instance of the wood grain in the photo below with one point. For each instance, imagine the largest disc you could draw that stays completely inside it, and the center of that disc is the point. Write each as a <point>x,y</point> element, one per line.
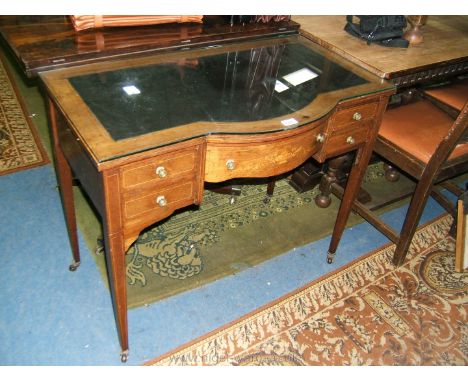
<point>102,147</point>
<point>260,155</point>
<point>42,43</point>
<point>445,42</point>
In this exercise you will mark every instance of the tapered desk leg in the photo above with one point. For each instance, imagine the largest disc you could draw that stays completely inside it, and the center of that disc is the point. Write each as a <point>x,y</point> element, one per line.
<point>65,179</point>
<point>115,255</point>
<point>351,191</point>
<point>358,170</point>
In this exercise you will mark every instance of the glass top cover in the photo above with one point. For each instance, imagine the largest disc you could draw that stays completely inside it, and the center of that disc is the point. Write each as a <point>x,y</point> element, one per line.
<point>233,86</point>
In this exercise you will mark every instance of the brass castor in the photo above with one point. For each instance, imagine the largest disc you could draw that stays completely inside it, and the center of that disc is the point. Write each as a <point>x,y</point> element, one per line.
<point>330,258</point>
<point>74,266</point>
<point>124,356</point>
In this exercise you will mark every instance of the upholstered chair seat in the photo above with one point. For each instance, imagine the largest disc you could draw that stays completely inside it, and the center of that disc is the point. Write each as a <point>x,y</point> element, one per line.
<point>455,95</point>
<point>418,128</point>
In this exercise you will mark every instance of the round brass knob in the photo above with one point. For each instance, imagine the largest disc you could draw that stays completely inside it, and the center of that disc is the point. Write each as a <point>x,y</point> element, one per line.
<point>161,200</point>
<point>320,138</point>
<point>350,140</point>
<point>230,164</point>
<point>357,116</point>
<point>161,171</point>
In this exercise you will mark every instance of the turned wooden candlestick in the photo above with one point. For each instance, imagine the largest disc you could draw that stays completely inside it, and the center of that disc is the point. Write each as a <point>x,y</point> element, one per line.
<point>414,34</point>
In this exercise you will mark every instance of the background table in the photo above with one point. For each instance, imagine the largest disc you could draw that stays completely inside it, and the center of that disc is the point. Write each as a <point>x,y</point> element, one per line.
<point>443,53</point>
<point>42,43</point>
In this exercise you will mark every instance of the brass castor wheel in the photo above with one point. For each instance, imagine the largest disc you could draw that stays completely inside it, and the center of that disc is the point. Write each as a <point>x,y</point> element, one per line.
<point>124,356</point>
<point>330,258</point>
<point>74,266</point>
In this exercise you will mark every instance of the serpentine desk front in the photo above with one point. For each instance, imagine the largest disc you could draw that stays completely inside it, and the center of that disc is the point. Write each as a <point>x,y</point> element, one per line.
<point>143,135</point>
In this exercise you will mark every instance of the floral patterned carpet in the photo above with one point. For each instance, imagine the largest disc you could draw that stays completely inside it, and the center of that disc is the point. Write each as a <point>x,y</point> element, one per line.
<point>199,245</point>
<point>19,144</point>
<point>368,313</point>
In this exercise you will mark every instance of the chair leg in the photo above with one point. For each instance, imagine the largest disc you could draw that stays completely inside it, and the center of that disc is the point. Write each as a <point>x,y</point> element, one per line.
<point>410,225</point>
<point>270,188</point>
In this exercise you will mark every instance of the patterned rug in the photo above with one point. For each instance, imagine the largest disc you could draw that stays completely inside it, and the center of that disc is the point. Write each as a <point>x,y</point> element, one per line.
<point>20,147</point>
<point>368,313</point>
<point>199,245</point>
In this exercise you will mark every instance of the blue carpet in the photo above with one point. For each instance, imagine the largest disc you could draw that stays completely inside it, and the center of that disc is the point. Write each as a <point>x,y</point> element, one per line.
<point>50,316</point>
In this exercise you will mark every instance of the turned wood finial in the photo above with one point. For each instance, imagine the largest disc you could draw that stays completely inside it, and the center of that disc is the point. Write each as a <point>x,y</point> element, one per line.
<point>414,34</point>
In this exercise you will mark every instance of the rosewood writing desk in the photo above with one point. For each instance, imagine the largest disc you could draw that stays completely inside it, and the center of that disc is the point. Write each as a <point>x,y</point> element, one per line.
<point>143,135</point>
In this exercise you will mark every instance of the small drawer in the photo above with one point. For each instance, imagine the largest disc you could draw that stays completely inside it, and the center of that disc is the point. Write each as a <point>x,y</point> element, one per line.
<point>159,202</point>
<point>160,169</point>
<point>263,155</point>
<point>353,115</point>
<point>345,141</point>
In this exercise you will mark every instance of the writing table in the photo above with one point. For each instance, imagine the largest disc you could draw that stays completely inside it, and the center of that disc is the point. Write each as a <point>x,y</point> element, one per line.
<point>143,135</point>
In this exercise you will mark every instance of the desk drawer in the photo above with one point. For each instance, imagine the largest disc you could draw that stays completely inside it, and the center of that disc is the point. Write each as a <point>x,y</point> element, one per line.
<point>260,155</point>
<point>353,116</point>
<point>159,202</point>
<point>161,169</point>
<point>345,140</point>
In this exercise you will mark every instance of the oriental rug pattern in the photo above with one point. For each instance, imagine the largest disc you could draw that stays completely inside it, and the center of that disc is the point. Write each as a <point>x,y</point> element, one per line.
<point>20,147</point>
<point>200,245</point>
<point>368,313</point>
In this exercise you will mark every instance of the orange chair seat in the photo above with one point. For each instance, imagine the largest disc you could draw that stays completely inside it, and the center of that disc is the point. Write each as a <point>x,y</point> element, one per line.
<point>418,128</point>
<point>454,95</point>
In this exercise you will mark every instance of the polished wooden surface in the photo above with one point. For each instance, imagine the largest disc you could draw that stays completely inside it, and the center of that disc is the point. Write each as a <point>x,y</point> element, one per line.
<point>49,42</point>
<point>445,44</point>
<point>139,181</point>
<point>102,147</point>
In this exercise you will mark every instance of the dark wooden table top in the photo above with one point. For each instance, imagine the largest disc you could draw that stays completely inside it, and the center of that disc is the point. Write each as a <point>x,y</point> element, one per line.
<point>41,43</point>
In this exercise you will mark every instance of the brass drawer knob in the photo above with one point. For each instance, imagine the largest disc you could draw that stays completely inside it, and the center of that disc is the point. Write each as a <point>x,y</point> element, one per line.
<point>230,164</point>
<point>350,140</point>
<point>320,138</point>
<point>357,116</point>
<point>161,171</point>
<point>161,201</point>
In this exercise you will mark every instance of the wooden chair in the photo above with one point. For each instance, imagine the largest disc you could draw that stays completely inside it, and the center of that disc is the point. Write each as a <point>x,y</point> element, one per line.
<point>425,142</point>
<point>450,97</point>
